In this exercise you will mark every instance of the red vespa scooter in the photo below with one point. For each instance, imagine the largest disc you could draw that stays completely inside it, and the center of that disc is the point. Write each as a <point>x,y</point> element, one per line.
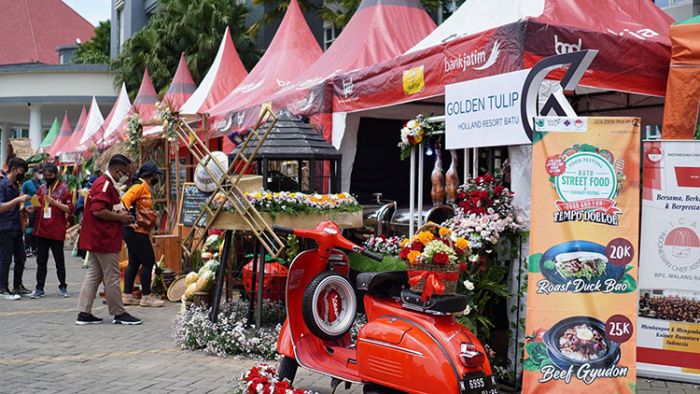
<point>405,346</point>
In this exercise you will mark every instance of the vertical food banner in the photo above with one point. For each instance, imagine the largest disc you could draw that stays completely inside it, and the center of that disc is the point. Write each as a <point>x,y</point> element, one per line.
<point>582,297</point>
<point>668,340</point>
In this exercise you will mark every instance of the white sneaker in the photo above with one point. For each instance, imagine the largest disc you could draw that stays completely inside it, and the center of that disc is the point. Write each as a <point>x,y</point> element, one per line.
<point>11,297</point>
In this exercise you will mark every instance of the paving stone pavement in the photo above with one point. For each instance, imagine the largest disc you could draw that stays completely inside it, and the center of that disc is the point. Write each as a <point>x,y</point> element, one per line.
<point>43,351</point>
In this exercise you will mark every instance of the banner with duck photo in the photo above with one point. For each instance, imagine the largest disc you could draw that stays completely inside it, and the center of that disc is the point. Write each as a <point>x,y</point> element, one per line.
<point>668,344</point>
<point>582,281</point>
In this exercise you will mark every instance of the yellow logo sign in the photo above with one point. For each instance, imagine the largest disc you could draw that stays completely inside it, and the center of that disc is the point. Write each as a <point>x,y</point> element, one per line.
<point>413,80</point>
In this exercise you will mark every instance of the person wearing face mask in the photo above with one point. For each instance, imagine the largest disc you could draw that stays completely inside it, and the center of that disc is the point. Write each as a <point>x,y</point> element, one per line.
<point>139,200</point>
<point>101,235</point>
<point>11,244</point>
<point>56,204</point>
<point>30,188</point>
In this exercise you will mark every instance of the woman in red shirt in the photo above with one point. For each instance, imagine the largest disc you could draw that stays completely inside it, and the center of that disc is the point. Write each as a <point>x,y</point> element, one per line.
<point>56,205</point>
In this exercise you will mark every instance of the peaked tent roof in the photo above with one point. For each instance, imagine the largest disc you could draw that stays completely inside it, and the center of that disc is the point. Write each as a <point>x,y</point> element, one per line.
<point>182,86</point>
<point>225,73</point>
<point>292,51</point>
<point>119,111</point>
<point>363,42</point>
<point>82,134</point>
<point>64,135</point>
<point>144,105</point>
<point>31,30</point>
<point>480,40</point>
<point>51,135</point>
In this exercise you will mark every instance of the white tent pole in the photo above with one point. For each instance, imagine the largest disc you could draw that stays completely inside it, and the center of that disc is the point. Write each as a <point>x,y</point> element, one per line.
<point>475,163</point>
<point>412,192</point>
<point>420,185</point>
<point>466,164</point>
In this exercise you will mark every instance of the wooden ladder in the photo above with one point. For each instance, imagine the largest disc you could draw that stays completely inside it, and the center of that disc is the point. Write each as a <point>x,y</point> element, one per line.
<point>227,186</point>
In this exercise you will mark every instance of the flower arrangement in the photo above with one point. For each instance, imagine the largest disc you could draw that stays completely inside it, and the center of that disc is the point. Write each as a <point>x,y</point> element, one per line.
<point>167,119</point>
<point>413,133</point>
<point>384,245</point>
<point>262,379</point>
<point>134,133</point>
<point>485,213</point>
<point>296,203</point>
<point>434,257</point>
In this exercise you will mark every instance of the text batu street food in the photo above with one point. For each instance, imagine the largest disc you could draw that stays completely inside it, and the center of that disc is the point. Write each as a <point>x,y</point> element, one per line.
<point>582,343</point>
<point>582,264</point>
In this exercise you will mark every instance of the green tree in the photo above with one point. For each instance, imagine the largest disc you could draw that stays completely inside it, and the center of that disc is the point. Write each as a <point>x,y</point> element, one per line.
<point>191,26</point>
<point>95,51</point>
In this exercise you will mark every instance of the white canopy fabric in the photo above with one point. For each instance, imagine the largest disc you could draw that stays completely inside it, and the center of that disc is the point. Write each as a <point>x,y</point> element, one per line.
<point>119,111</point>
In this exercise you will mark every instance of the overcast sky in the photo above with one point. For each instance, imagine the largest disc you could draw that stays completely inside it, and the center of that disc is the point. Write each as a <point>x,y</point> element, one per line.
<point>94,11</point>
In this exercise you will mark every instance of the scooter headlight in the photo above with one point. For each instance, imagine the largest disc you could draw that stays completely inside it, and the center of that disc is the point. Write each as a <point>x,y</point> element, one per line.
<point>470,356</point>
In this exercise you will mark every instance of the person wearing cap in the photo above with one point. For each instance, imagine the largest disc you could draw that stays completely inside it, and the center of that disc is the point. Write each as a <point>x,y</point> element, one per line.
<point>30,188</point>
<point>104,217</point>
<point>139,200</point>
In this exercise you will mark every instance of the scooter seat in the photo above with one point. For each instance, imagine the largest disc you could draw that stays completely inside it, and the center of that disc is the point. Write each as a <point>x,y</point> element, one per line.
<point>382,284</point>
<point>437,304</point>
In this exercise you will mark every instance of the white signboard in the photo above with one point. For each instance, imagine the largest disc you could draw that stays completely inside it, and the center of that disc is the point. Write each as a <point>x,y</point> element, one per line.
<point>669,269</point>
<point>485,112</point>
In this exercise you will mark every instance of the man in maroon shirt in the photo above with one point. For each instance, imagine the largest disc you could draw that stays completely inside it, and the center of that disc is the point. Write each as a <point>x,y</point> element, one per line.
<point>101,235</point>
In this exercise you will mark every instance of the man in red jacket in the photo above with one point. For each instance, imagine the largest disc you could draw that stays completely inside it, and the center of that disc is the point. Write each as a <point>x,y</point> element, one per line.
<point>101,235</point>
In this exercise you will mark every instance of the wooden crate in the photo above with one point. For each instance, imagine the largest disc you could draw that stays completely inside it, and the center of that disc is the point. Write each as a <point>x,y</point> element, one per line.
<point>233,221</point>
<point>168,246</point>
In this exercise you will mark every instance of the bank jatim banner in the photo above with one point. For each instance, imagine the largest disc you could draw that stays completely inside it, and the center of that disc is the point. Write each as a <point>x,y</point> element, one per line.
<point>668,344</point>
<point>582,281</point>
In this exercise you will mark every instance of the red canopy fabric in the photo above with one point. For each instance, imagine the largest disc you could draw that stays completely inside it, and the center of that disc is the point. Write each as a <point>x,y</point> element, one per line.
<point>182,86</point>
<point>292,51</point>
<point>379,30</point>
<point>144,105</point>
<point>226,72</point>
<point>631,36</point>
<point>119,111</point>
<point>68,143</point>
<point>63,135</point>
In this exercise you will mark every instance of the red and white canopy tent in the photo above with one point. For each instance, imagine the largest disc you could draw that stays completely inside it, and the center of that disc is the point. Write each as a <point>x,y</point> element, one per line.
<point>379,30</point>
<point>73,149</point>
<point>144,105</point>
<point>63,135</point>
<point>65,138</point>
<point>180,90</point>
<point>292,51</point>
<point>483,39</point>
<point>116,116</point>
<point>224,75</point>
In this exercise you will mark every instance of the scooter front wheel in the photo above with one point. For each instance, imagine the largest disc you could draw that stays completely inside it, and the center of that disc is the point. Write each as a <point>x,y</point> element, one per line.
<point>329,305</point>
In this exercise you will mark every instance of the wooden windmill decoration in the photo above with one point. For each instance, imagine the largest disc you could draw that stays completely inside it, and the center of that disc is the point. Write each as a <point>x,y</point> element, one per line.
<point>227,185</point>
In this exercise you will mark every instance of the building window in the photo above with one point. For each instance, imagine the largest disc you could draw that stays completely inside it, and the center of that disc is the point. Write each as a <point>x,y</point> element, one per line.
<point>330,33</point>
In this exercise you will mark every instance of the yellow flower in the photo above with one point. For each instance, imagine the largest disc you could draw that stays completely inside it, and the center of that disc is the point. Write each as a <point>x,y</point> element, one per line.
<point>462,243</point>
<point>425,237</point>
<point>413,256</point>
<point>268,195</point>
<point>404,242</point>
<point>341,195</point>
<point>444,231</point>
<point>257,195</point>
<point>418,138</point>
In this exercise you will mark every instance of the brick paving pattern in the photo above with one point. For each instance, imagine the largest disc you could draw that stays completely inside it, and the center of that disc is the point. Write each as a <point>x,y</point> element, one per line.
<point>43,351</point>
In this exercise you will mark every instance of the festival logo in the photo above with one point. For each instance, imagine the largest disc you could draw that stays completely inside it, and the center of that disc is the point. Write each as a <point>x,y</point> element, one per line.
<point>587,180</point>
<point>679,248</point>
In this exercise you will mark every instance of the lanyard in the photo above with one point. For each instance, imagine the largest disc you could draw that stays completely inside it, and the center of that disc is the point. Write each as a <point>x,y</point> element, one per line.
<point>50,192</point>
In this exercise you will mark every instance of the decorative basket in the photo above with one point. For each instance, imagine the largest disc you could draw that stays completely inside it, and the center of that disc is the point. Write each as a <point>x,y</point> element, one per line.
<point>450,285</point>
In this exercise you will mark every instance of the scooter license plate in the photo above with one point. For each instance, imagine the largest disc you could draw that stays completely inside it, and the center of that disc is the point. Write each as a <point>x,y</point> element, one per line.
<point>479,383</point>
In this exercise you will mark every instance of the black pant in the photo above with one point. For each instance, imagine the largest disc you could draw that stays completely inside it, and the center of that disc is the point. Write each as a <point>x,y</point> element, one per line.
<point>140,254</point>
<point>42,258</point>
<point>11,245</point>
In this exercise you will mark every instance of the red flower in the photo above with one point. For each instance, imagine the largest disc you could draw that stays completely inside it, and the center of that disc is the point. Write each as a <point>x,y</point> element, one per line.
<point>404,253</point>
<point>417,246</point>
<point>482,267</point>
<point>441,258</point>
<point>443,240</point>
<point>488,178</point>
<point>498,189</point>
<point>478,180</point>
<point>482,259</point>
<point>462,266</point>
<point>461,195</point>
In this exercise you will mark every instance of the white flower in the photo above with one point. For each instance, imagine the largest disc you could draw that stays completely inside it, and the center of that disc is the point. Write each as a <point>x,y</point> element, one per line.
<point>469,285</point>
<point>411,124</point>
<point>467,310</point>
